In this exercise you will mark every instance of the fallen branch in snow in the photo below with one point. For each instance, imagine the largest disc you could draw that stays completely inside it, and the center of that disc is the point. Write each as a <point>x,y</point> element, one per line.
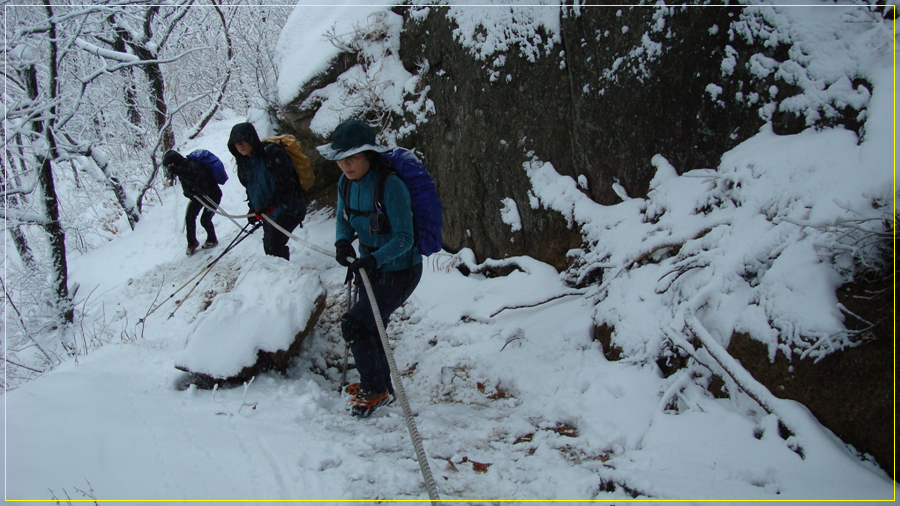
<point>489,266</point>
<point>680,270</point>
<point>534,304</point>
<point>516,335</point>
<point>727,364</point>
<point>69,499</point>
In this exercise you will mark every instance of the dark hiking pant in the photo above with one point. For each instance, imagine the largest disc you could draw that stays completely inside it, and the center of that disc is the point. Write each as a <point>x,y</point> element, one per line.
<point>190,220</point>
<point>358,326</point>
<point>275,243</point>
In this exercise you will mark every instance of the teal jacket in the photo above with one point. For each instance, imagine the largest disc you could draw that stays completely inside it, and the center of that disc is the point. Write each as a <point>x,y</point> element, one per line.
<point>393,251</point>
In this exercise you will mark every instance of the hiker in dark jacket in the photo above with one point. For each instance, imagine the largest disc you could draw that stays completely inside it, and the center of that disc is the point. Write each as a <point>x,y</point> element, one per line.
<point>267,173</point>
<point>196,180</point>
<point>391,260</point>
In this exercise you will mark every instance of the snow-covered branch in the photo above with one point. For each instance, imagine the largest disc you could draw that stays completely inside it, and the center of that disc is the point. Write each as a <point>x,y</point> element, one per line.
<point>108,70</point>
<point>106,53</point>
<point>15,218</point>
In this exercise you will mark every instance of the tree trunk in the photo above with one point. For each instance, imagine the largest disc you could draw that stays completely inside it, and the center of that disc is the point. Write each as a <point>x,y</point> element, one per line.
<point>57,238</point>
<point>54,229</point>
<point>113,183</point>
<point>131,105</point>
<point>157,84</point>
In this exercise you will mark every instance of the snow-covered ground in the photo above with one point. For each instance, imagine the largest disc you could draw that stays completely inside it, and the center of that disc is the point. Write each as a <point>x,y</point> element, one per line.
<point>513,403</point>
<point>519,404</point>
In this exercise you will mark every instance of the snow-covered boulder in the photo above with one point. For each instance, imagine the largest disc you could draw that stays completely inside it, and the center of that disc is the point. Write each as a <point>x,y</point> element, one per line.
<point>228,341</point>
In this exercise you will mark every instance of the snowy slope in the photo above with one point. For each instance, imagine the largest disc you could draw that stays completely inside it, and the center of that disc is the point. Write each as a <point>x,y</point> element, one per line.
<point>513,403</point>
<point>520,405</point>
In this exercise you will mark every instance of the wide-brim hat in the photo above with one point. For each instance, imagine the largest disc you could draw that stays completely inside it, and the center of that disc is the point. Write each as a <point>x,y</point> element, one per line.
<point>349,138</point>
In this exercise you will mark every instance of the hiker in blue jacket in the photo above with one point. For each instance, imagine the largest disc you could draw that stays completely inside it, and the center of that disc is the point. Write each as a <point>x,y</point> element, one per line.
<point>388,254</point>
<point>267,173</point>
<point>196,180</point>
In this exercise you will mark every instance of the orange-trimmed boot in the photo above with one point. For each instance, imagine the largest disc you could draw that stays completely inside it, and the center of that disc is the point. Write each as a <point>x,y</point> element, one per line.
<point>365,403</point>
<point>352,389</point>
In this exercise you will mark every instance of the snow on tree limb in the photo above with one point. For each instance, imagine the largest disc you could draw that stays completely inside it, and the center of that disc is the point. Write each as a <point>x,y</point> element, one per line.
<point>105,53</point>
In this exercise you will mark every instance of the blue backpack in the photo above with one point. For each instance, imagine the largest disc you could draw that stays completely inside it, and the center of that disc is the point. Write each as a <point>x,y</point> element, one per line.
<point>212,164</point>
<point>426,206</point>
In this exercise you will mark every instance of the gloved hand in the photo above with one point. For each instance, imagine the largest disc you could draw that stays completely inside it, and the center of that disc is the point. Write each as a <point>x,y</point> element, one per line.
<point>345,251</point>
<point>263,210</point>
<point>368,263</point>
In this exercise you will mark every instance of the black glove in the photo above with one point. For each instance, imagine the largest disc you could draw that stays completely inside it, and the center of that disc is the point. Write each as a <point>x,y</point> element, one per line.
<point>252,218</point>
<point>368,263</point>
<point>345,253</point>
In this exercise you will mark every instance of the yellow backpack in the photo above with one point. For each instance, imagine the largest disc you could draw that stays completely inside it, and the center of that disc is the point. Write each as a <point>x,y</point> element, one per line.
<point>298,159</point>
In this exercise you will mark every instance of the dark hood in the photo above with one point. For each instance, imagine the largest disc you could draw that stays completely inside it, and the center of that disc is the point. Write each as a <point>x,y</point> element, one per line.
<point>243,132</point>
<point>172,157</point>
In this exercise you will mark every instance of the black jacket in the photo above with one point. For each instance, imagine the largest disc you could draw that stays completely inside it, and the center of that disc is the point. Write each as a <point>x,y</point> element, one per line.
<point>195,179</point>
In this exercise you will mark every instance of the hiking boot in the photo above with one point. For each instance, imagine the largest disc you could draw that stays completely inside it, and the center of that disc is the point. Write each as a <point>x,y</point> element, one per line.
<point>365,403</point>
<point>210,244</point>
<point>191,249</point>
<point>352,389</point>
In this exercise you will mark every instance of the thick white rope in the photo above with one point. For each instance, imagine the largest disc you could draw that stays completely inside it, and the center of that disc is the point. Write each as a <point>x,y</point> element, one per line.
<point>421,457</point>
<point>218,210</point>
<point>401,394</point>
<point>206,201</point>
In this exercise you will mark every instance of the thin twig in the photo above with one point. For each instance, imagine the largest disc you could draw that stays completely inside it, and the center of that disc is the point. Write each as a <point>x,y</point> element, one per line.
<point>22,321</point>
<point>535,304</point>
<point>8,361</point>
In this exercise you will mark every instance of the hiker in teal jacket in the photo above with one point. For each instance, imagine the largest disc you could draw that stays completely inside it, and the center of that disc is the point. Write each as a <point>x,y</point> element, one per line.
<point>393,251</point>
<point>388,254</point>
<point>268,175</point>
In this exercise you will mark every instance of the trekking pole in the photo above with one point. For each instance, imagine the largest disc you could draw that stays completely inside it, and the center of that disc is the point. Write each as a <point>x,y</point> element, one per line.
<point>209,268</point>
<point>204,269</point>
<point>294,237</point>
<point>352,294</point>
<point>401,395</point>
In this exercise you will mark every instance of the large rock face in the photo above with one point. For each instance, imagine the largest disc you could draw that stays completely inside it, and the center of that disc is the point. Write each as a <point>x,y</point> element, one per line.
<point>571,109</point>
<point>598,99</point>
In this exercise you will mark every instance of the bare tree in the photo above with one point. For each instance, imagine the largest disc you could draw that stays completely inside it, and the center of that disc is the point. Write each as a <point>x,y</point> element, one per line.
<point>94,94</point>
<point>50,96</point>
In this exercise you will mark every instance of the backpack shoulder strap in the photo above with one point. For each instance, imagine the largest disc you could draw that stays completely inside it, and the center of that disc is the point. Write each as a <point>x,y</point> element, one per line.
<point>344,192</point>
<point>344,189</point>
<point>384,173</point>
